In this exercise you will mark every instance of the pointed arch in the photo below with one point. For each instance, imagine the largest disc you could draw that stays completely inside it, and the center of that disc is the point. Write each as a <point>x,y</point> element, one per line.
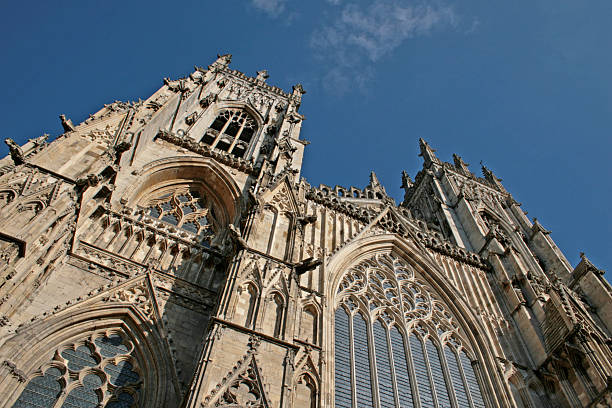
<point>306,392</point>
<point>205,172</point>
<point>40,345</point>
<point>428,275</point>
<point>309,323</point>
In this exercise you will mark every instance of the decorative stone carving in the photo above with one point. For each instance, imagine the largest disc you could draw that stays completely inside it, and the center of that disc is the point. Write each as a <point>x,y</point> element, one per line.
<point>15,372</point>
<point>15,151</point>
<point>66,123</point>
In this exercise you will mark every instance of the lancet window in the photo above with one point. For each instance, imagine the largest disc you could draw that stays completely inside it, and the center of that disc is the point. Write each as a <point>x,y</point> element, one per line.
<point>97,371</point>
<point>186,208</point>
<point>395,345</point>
<point>231,132</point>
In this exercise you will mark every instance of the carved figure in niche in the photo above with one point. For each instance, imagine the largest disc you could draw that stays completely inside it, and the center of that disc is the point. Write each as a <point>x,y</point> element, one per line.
<point>190,119</point>
<point>516,287</point>
<point>536,285</point>
<point>208,100</point>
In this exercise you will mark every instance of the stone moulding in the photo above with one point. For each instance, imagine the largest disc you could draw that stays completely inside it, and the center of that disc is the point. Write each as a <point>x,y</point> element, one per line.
<point>318,196</point>
<point>443,247</point>
<point>159,229</point>
<point>254,81</point>
<point>204,150</point>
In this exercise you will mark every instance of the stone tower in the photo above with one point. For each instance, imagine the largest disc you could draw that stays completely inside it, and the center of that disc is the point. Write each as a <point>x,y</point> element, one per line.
<point>166,253</point>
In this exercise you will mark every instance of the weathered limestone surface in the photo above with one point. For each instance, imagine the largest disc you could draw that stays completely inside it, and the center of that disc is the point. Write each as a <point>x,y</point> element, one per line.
<point>169,248</point>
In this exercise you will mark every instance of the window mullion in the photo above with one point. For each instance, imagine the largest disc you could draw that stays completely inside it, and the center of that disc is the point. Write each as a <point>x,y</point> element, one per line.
<point>447,378</point>
<point>392,366</point>
<point>432,384</point>
<point>222,131</point>
<point>352,355</point>
<point>235,139</point>
<point>468,391</point>
<point>416,398</point>
<point>373,364</point>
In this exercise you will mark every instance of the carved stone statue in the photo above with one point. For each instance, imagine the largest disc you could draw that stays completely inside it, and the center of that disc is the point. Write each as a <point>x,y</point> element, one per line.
<point>66,123</point>
<point>15,151</point>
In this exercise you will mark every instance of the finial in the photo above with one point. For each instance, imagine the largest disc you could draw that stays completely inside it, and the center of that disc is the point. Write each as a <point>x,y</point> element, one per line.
<point>460,164</point>
<point>374,180</point>
<point>491,178</point>
<point>427,153</point>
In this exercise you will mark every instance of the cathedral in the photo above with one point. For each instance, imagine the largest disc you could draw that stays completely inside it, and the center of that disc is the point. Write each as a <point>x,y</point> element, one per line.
<point>167,253</point>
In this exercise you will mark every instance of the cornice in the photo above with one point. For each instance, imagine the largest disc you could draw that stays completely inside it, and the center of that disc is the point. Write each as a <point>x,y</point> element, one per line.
<point>205,151</point>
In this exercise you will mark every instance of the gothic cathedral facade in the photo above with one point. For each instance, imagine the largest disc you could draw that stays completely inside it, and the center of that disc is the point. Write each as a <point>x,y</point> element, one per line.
<point>167,253</point>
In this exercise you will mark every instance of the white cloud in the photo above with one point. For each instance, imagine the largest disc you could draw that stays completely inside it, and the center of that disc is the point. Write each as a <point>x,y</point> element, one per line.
<point>382,26</point>
<point>357,36</point>
<point>271,7</point>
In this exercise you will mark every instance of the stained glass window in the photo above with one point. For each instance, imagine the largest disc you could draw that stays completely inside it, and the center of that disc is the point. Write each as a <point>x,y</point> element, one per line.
<point>41,391</point>
<point>383,366</point>
<point>343,360</point>
<point>418,361</point>
<point>184,208</point>
<point>402,370</point>
<point>119,375</point>
<point>363,378</point>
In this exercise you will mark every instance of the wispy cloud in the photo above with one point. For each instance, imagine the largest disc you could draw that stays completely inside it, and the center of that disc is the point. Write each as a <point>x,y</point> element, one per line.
<point>271,7</point>
<point>358,36</point>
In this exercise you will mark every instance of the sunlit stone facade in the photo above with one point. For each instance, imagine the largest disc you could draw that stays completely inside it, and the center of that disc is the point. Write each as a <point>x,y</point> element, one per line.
<point>167,253</point>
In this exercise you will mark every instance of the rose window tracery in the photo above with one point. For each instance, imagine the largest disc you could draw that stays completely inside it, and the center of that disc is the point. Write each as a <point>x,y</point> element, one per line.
<point>396,344</point>
<point>231,132</point>
<point>98,371</point>
<point>188,209</point>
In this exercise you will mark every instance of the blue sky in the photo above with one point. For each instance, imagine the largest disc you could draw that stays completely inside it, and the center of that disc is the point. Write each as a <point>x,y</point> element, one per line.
<point>523,86</point>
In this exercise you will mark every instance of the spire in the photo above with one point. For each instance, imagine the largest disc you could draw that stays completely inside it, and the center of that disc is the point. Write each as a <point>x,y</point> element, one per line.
<point>427,153</point>
<point>491,178</point>
<point>461,165</point>
<point>375,189</point>
<point>374,183</point>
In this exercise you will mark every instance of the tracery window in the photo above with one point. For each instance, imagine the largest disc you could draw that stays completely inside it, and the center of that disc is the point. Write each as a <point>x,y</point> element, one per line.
<point>98,371</point>
<point>231,132</point>
<point>395,344</point>
<point>186,208</point>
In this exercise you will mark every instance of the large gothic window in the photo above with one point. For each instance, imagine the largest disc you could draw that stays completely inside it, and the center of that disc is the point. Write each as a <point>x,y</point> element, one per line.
<point>98,371</point>
<point>186,208</point>
<point>395,344</point>
<point>231,132</point>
